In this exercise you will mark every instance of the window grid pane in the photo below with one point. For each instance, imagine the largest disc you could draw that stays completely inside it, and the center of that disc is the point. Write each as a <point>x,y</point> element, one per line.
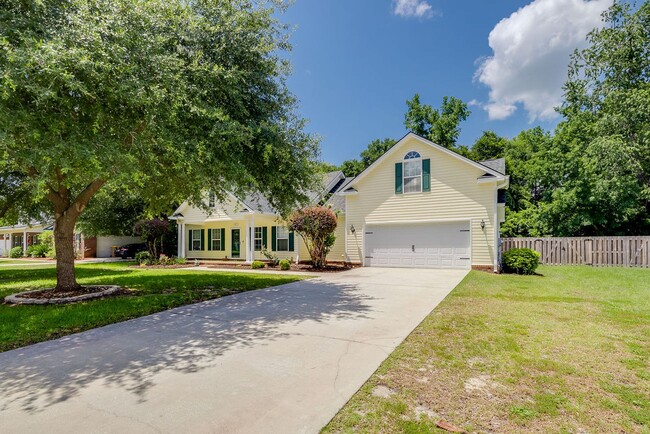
<point>413,184</point>
<point>282,236</point>
<point>216,239</point>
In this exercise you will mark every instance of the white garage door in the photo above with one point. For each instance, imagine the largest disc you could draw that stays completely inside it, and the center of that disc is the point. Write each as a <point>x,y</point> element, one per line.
<point>425,245</point>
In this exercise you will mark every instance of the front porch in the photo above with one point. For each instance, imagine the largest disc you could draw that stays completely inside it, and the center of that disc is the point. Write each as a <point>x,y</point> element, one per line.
<point>237,239</point>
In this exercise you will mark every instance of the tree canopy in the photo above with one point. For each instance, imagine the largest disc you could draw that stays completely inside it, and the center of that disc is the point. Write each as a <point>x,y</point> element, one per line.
<point>165,98</point>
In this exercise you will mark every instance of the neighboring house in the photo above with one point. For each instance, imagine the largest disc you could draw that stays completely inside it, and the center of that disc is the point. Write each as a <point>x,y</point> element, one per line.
<point>419,205</point>
<point>92,247</point>
<point>241,228</point>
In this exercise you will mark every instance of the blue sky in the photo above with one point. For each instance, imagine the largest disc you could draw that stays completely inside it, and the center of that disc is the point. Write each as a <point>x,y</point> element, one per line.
<point>356,62</point>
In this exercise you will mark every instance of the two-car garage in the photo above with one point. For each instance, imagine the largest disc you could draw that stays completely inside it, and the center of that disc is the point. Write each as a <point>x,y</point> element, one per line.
<point>418,245</point>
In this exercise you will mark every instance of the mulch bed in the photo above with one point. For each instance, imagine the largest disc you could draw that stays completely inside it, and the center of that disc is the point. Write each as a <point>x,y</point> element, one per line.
<point>52,296</point>
<point>161,266</point>
<point>330,268</point>
<point>53,293</point>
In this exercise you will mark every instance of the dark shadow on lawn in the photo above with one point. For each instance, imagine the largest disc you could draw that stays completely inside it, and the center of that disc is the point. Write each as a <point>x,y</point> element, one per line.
<point>187,339</point>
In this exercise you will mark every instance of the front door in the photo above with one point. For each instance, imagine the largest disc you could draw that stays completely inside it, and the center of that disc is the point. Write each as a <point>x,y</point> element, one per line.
<point>235,243</point>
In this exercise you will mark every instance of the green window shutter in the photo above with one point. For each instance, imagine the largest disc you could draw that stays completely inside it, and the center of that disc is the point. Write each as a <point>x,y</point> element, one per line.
<point>265,237</point>
<point>426,175</point>
<point>398,178</point>
<point>209,239</point>
<point>274,237</point>
<point>223,239</point>
<point>291,246</point>
<point>202,239</point>
<point>189,233</point>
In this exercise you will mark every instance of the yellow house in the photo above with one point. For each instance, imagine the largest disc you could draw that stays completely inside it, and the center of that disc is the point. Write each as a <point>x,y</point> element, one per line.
<point>419,205</point>
<point>422,205</point>
<point>242,228</point>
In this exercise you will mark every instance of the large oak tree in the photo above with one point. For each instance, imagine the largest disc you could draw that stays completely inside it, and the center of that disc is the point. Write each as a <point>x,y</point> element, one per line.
<point>166,98</point>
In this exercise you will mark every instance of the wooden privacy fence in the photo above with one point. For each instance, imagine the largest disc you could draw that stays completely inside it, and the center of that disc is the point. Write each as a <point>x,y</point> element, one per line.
<point>596,251</point>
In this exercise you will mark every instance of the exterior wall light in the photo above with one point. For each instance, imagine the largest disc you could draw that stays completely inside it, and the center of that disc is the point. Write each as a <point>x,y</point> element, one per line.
<point>352,229</point>
<point>482,224</point>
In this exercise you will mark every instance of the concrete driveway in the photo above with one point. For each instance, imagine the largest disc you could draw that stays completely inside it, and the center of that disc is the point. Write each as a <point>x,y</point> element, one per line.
<point>277,360</point>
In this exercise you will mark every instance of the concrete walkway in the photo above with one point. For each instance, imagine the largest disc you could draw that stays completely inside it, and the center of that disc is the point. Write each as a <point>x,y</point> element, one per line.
<point>277,360</point>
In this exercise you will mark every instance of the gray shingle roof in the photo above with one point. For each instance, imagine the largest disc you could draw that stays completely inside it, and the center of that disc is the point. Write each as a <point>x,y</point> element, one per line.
<point>498,165</point>
<point>257,202</point>
<point>335,201</point>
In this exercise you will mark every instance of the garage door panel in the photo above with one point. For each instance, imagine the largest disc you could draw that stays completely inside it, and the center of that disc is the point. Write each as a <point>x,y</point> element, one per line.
<point>434,245</point>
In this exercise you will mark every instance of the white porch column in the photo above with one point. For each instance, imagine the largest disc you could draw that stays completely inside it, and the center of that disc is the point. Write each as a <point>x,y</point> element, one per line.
<point>297,239</point>
<point>183,242</point>
<point>248,242</point>
<point>179,231</point>
<point>25,242</point>
<point>252,238</point>
<point>11,243</point>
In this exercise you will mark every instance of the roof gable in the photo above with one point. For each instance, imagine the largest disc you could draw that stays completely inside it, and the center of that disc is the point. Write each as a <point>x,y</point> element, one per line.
<point>400,142</point>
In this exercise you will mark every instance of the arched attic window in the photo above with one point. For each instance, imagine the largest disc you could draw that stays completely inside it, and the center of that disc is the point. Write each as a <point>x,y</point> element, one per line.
<point>412,172</point>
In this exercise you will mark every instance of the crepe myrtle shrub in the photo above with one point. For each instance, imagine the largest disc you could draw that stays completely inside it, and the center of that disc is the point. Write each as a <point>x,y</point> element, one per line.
<point>316,226</point>
<point>164,99</point>
<point>520,261</point>
<point>152,231</point>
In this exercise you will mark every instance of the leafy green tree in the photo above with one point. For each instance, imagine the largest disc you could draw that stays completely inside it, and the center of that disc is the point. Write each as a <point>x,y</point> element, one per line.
<point>351,167</point>
<point>606,131</point>
<point>441,126</point>
<point>165,98</point>
<point>375,149</point>
<point>489,146</point>
<point>113,211</point>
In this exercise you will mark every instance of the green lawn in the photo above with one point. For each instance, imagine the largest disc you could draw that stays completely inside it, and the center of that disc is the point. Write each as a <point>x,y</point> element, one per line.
<point>568,351</point>
<point>6,261</point>
<point>153,290</point>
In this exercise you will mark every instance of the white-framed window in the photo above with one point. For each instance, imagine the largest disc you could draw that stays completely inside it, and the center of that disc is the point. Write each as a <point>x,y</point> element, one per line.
<point>257,239</point>
<point>215,240</point>
<point>282,239</point>
<point>212,200</point>
<point>412,173</point>
<point>195,239</point>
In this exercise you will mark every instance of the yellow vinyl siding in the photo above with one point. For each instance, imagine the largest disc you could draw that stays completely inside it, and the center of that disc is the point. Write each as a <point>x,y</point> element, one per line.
<point>337,253</point>
<point>455,195</point>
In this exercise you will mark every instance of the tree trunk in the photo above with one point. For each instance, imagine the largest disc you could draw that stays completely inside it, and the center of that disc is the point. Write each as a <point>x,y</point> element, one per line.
<point>64,245</point>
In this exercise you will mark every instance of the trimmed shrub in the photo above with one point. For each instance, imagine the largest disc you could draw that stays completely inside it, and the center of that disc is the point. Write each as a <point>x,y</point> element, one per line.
<point>143,258</point>
<point>285,264</point>
<point>171,260</point>
<point>257,264</point>
<point>16,252</point>
<point>520,261</point>
<point>37,250</point>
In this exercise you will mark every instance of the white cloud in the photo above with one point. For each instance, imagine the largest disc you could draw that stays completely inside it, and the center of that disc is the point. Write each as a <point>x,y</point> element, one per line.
<point>413,8</point>
<point>531,51</point>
